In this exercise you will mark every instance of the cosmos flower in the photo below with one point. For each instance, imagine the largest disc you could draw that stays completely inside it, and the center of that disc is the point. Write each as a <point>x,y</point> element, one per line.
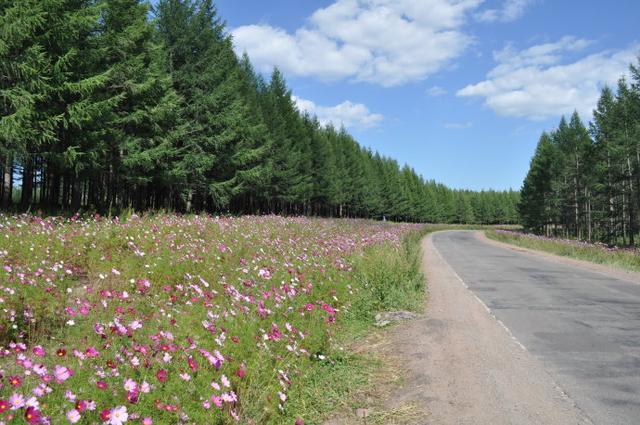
<point>73,416</point>
<point>15,381</point>
<point>118,415</point>
<point>32,415</point>
<point>161,375</point>
<point>61,373</point>
<point>16,401</point>
<point>130,385</point>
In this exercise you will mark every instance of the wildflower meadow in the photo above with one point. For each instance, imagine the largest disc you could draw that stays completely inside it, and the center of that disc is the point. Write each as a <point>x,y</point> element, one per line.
<point>168,319</point>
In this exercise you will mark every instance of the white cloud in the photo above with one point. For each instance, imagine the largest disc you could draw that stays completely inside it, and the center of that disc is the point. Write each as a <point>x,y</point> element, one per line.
<point>457,125</point>
<point>536,84</point>
<point>386,42</point>
<point>436,91</point>
<point>511,10</point>
<point>348,114</point>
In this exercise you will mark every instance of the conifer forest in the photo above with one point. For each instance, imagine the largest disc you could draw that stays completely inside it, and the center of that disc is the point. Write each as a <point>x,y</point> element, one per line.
<point>584,182</point>
<point>113,104</point>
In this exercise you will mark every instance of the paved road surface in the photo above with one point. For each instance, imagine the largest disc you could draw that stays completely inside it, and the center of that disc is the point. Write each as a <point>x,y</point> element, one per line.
<point>583,326</point>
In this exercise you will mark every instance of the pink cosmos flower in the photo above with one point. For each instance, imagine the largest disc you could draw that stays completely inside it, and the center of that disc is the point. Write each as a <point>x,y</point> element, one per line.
<point>92,352</point>
<point>145,387</point>
<point>32,415</point>
<point>73,416</point>
<point>192,363</point>
<point>16,401</point>
<point>328,309</point>
<point>61,373</point>
<point>118,415</point>
<point>264,273</point>
<point>216,400</point>
<point>130,385</point>
<point>132,397</point>
<point>40,370</point>
<point>161,375</point>
<point>241,372</point>
<point>81,405</point>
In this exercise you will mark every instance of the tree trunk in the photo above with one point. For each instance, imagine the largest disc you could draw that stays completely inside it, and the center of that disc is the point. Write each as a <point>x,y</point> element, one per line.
<point>27,183</point>
<point>7,181</point>
<point>76,194</point>
<point>631,206</point>
<point>189,200</point>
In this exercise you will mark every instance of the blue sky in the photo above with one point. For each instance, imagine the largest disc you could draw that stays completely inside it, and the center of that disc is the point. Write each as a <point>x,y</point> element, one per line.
<point>458,89</point>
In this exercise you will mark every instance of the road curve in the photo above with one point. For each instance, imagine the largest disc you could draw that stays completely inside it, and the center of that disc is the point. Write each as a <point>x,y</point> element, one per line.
<point>583,326</point>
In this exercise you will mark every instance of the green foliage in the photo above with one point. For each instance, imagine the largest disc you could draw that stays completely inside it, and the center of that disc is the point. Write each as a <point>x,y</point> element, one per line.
<point>584,183</point>
<point>106,106</point>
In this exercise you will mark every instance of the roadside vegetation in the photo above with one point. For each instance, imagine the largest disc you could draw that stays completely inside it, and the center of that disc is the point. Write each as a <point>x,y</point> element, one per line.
<point>194,319</point>
<point>622,257</point>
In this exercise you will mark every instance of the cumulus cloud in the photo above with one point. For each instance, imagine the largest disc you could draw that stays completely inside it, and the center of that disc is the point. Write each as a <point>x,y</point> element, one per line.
<point>536,84</point>
<point>436,91</point>
<point>385,42</point>
<point>347,114</point>
<point>511,10</point>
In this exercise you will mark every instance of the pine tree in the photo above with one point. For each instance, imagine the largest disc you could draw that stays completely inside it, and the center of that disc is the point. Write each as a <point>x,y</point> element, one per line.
<point>535,207</point>
<point>225,153</point>
<point>25,86</point>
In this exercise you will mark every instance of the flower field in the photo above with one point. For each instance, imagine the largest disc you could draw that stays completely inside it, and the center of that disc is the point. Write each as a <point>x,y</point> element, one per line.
<point>172,319</point>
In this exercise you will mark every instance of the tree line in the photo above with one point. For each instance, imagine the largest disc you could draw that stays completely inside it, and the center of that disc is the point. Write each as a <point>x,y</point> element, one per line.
<point>109,104</point>
<point>585,182</point>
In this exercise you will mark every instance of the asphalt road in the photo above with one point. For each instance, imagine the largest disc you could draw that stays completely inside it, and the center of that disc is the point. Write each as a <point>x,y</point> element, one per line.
<point>582,325</point>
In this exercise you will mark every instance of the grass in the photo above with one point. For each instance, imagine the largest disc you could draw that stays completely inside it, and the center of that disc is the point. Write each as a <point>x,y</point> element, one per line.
<point>195,319</point>
<point>390,278</point>
<point>623,258</point>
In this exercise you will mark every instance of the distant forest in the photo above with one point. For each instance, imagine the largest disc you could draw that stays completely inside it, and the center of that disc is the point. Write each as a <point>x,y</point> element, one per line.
<point>585,183</point>
<point>108,104</point>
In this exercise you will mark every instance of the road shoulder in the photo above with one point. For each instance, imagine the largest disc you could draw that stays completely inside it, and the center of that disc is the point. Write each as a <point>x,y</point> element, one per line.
<point>463,367</point>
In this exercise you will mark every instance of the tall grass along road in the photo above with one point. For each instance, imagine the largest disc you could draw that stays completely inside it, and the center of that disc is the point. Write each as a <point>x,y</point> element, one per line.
<point>582,326</point>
